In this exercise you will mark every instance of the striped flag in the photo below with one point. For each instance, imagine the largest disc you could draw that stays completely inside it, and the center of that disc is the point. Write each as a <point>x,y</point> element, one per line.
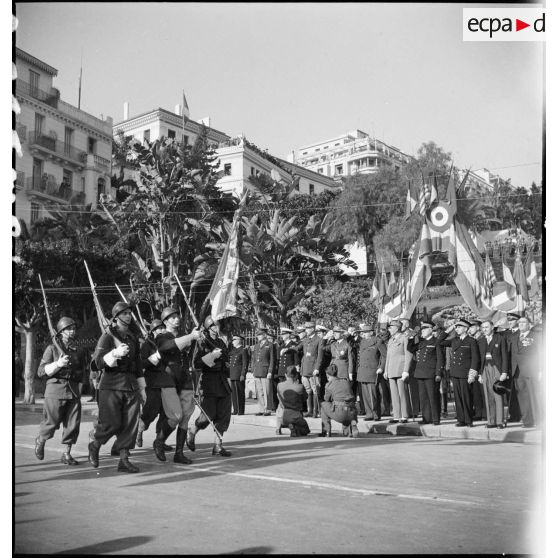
<point>521,282</point>
<point>489,279</point>
<point>374,291</point>
<point>531,273</point>
<point>511,289</point>
<point>185,107</point>
<point>428,195</point>
<point>411,202</point>
<point>222,295</point>
<point>384,287</point>
<point>392,285</point>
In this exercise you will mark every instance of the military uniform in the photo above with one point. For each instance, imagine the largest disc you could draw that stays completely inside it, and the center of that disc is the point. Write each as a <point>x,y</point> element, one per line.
<point>371,357</point>
<point>339,405</point>
<point>263,363</point>
<point>62,403</point>
<point>465,356</point>
<point>514,411</point>
<point>312,350</point>
<point>291,397</point>
<point>396,370</point>
<point>119,402</point>
<point>238,371</point>
<point>288,356</point>
<point>430,363</point>
<point>214,387</point>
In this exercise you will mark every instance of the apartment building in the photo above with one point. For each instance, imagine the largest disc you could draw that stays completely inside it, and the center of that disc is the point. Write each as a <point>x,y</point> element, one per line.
<point>351,153</point>
<point>66,152</point>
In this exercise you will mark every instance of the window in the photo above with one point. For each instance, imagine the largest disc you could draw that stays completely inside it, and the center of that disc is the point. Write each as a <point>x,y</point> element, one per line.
<point>297,186</point>
<point>100,187</point>
<point>185,139</point>
<point>67,176</point>
<point>147,135</point>
<point>338,169</point>
<point>39,123</point>
<point>310,189</point>
<point>305,152</point>
<point>37,173</point>
<point>336,144</point>
<point>172,134</point>
<point>83,183</point>
<point>321,170</point>
<point>91,145</point>
<point>35,209</point>
<point>68,132</point>
<point>228,169</point>
<point>34,83</point>
<point>252,171</point>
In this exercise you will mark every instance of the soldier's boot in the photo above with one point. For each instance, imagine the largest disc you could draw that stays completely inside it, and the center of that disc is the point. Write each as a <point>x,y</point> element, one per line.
<point>218,449</point>
<point>326,429</point>
<point>179,456</point>
<point>39,448</point>
<point>67,458</point>
<point>159,443</point>
<point>114,451</point>
<point>94,448</point>
<point>191,438</point>
<point>347,430</point>
<point>310,403</point>
<point>139,437</point>
<point>317,406</point>
<point>354,429</point>
<point>124,465</point>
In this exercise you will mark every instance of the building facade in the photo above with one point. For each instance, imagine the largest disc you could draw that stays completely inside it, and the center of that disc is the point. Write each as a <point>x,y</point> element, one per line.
<point>237,158</point>
<point>66,152</point>
<point>351,153</point>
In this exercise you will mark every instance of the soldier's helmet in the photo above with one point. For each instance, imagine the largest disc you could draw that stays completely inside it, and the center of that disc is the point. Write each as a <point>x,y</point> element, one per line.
<point>119,307</point>
<point>64,323</point>
<point>155,324</point>
<point>168,312</point>
<point>208,322</point>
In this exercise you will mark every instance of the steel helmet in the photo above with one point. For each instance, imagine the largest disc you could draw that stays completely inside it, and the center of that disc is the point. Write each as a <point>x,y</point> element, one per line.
<point>64,323</point>
<point>155,324</point>
<point>168,312</point>
<point>208,322</point>
<point>119,307</point>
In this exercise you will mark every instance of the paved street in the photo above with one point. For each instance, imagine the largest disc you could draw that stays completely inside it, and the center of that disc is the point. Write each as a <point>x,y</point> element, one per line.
<point>374,494</point>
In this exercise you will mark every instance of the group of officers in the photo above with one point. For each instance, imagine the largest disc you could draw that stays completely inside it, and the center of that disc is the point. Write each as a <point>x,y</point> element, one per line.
<point>336,374</point>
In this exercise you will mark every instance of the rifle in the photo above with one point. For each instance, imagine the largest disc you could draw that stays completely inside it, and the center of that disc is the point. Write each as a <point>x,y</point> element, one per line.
<point>104,324</point>
<point>139,322</point>
<point>51,330</point>
<point>197,324</point>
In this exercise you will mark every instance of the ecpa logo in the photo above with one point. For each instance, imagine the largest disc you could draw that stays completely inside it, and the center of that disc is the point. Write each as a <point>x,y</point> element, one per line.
<point>503,24</point>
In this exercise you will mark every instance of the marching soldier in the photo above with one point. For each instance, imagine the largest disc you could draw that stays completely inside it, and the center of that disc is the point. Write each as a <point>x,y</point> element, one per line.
<point>62,403</point>
<point>339,405</point>
<point>465,363</point>
<point>370,365</point>
<point>310,366</point>
<point>238,371</point>
<point>177,393</point>
<point>263,364</point>
<point>211,357</point>
<point>428,371</point>
<point>121,388</point>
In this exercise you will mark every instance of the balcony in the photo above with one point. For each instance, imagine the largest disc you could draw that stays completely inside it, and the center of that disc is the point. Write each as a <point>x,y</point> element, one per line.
<point>54,147</point>
<point>49,98</point>
<point>98,162</point>
<point>77,114</point>
<point>47,188</point>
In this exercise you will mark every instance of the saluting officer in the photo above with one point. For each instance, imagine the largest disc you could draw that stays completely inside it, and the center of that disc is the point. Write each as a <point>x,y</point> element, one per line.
<point>62,405</point>
<point>179,398</point>
<point>121,388</point>
<point>465,363</point>
<point>428,371</point>
<point>310,366</point>
<point>288,353</point>
<point>239,368</point>
<point>341,354</point>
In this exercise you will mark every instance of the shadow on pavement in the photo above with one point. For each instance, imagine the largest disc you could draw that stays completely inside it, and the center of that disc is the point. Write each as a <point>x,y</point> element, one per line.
<point>252,550</point>
<point>115,545</point>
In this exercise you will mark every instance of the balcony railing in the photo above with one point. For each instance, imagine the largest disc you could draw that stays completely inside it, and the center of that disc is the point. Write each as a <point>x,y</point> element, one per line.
<point>50,98</point>
<point>101,163</point>
<point>85,118</point>
<point>45,185</point>
<point>58,147</point>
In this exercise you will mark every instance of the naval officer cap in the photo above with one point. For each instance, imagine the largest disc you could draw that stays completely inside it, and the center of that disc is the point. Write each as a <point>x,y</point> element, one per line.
<point>308,325</point>
<point>463,323</point>
<point>338,329</point>
<point>513,316</point>
<point>239,337</point>
<point>396,323</point>
<point>424,325</point>
<point>365,328</point>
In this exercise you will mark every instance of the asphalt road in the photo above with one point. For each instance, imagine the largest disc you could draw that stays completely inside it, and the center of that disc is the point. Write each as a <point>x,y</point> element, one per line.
<point>376,494</point>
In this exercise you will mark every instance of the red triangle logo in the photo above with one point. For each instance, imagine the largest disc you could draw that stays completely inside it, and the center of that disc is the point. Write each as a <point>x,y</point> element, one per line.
<point>519,25</point>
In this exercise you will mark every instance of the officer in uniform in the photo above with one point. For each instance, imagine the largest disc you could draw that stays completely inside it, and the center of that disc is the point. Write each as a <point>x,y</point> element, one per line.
<point>121,389</point>
<point>212,359</point>
<point>238,371</point>
<point>465,363</point>
<point>62,405</point>
<point>177,395</point>
<point>339,405</point>
<point>370,363</point>
<point>514,411</point>
<point>411,380</point>
<point>353,339</point>
<point>271,383</point>
<point>429,368</point>
<point>288,353</point>
<point>263,364</point>
<point>310,366</point>
<point>291,396</point>
<point>479,408</point>
<point>341,354</point>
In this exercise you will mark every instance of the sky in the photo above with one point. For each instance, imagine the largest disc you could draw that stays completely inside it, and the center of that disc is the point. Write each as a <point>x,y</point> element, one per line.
<point>287,75</point>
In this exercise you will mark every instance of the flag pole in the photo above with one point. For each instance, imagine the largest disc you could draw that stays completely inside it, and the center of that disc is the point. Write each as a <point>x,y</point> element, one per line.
<point>80,74</point>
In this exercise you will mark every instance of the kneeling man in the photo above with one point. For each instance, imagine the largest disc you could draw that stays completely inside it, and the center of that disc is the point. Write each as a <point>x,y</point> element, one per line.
<point>339,405</point>
<point>291,395</point>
